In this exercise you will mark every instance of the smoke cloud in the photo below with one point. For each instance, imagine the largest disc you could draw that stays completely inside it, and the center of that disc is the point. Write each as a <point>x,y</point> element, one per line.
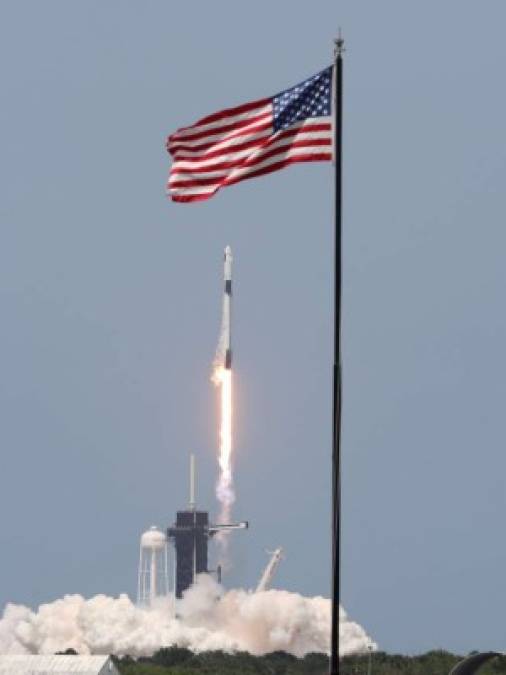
<point>208,618</point>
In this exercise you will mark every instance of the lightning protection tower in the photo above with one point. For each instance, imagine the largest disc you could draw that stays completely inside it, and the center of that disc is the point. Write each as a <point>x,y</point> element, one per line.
<point>153,579</point>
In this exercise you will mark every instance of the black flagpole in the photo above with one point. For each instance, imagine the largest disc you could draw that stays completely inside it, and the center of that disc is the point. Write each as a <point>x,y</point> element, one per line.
<point>336,397</point>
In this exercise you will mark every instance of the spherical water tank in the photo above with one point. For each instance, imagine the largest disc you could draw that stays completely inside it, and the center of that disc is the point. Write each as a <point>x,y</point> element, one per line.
<point>154,539</point>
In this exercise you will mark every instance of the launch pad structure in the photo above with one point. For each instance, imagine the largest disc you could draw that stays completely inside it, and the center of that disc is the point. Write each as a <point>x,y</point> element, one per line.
<point>191,533</point>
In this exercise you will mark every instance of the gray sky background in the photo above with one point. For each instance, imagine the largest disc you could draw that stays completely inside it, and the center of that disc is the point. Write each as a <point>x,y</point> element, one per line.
<point>110,302</point>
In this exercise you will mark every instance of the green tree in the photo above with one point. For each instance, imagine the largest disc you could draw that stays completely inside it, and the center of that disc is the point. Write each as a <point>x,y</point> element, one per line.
<point>171,656</point>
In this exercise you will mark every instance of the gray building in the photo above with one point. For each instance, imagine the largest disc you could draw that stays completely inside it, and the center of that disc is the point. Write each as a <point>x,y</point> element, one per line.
<point>62,665</point>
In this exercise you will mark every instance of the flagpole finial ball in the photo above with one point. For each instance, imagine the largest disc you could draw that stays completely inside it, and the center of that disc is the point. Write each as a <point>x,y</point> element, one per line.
<point>339,45</point>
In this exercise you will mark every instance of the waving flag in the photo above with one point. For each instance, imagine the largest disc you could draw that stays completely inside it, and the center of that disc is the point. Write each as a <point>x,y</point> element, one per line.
<point>252,139</point>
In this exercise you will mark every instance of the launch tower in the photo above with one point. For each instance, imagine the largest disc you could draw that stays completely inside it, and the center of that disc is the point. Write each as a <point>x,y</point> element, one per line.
<point>191,533</point>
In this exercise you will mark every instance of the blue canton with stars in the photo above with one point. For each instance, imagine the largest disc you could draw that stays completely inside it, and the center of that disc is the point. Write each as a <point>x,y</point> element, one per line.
<point>311,98</point>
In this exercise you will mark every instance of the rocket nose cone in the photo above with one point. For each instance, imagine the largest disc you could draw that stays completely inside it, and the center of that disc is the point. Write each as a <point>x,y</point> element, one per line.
<point>228,252</point>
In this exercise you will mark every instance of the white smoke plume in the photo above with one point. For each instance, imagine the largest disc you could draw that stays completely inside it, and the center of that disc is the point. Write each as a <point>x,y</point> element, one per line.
<point>208,618</point>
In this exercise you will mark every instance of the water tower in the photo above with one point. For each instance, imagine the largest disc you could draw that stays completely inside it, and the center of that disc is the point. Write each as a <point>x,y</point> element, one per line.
<point>153,580</point>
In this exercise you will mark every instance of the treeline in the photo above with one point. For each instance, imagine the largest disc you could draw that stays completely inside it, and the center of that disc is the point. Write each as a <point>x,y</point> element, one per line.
<point>180,661</point>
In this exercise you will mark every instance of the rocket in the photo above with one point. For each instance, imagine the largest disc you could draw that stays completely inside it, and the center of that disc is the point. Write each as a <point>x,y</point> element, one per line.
<point>227,307</point>
<point>223,358</point>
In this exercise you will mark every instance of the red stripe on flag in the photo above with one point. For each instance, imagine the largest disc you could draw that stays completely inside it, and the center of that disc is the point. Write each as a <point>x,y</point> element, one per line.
<point>324,156</point>
<point>228,112</point>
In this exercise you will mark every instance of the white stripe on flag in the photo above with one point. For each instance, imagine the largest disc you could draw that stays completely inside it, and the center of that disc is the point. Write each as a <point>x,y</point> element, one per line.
<point>187,132</point>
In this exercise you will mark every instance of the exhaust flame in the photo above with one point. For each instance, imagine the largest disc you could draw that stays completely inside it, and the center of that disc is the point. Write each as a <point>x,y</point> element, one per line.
<point>222,378</point>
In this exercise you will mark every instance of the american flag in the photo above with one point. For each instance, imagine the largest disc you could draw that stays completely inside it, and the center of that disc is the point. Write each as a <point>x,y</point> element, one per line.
<point>252,139</point>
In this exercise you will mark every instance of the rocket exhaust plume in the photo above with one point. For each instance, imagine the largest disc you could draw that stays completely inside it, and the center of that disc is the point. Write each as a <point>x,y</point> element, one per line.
<point>222,378</point>
<point>208,618</point>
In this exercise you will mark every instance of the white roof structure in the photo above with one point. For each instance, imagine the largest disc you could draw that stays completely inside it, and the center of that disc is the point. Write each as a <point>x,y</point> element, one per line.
<point>61,664</point>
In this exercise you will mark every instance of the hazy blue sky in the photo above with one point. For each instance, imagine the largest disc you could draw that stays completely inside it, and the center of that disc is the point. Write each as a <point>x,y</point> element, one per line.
<point>110,303</point>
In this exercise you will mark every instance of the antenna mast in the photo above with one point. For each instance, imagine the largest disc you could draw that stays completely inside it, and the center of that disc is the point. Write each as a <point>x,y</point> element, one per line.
<point>192,483</point>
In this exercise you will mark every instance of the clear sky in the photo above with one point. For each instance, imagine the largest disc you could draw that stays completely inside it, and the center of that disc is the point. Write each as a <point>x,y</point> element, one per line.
<point>110,303</point>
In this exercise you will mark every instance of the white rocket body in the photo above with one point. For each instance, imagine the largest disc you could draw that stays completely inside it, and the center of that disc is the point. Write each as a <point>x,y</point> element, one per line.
<point>227,309</point>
